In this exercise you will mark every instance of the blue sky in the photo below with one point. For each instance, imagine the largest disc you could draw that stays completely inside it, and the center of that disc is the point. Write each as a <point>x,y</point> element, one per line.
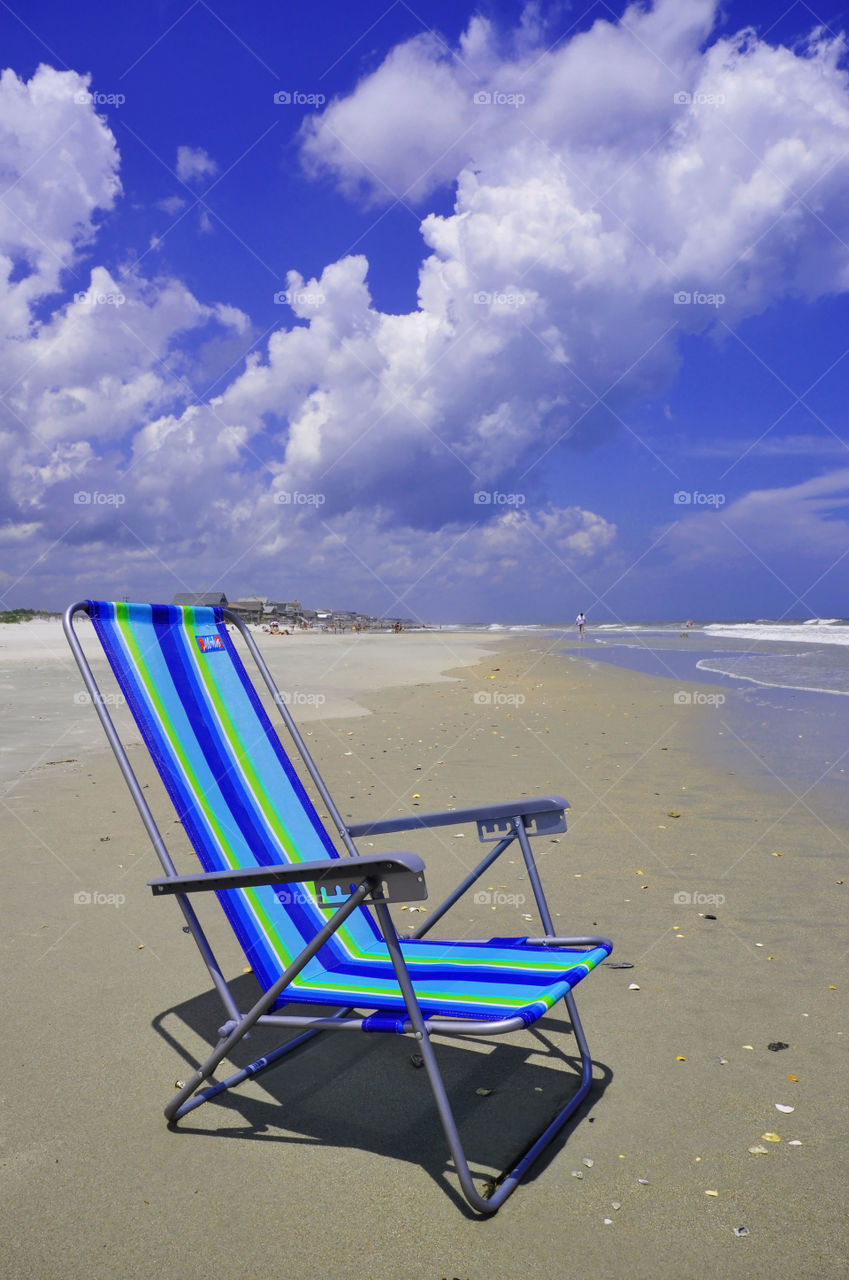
<point>498,311</point>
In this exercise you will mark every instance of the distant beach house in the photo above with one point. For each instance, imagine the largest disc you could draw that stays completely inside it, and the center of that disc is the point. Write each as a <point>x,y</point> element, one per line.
<point>205,599</point>
<point>251,609</point>
<point>288,610</point>
<point>291,613</point>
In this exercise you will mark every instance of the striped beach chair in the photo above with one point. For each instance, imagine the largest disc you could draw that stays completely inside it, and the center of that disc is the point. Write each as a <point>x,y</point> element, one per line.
<point>315,926</point>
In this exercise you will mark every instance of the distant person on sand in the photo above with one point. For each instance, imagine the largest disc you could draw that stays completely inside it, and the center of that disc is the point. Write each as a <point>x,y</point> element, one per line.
<point>581,622</point>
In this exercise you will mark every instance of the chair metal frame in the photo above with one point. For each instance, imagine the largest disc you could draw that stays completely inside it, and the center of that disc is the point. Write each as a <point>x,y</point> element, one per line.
<point>369,880</point>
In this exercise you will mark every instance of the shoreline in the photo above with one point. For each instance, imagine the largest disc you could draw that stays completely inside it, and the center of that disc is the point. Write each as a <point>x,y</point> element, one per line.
<point>785,740</point>
<point>101,1186</point>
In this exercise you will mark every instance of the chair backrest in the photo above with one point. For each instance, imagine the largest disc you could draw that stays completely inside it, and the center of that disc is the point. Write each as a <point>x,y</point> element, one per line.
<point>233,786</point>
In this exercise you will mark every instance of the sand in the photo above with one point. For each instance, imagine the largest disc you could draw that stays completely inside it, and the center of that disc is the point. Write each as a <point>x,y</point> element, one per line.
<point>335,1164</point>
<point>320,676</point>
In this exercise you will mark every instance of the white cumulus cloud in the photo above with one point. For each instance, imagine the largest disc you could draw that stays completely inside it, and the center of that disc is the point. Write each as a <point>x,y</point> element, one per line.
<point>194,163</point>
<point>593,179</point>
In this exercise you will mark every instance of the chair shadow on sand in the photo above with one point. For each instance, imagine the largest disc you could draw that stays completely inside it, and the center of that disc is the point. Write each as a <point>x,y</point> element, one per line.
<point>347,1089</point>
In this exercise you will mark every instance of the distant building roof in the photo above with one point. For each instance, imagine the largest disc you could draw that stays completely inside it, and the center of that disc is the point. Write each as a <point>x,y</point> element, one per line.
<point>201,598</point>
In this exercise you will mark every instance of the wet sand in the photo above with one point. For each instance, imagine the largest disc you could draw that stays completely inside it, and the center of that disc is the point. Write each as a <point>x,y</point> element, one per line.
<point>335,1165</point>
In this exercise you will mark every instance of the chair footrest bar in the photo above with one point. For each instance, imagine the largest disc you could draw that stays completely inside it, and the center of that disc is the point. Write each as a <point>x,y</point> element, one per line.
<point>436,1026</point>
<point>583,941</point>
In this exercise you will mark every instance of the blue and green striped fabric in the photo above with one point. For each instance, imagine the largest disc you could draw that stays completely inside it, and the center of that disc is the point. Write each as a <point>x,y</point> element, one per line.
<point>242,805</point>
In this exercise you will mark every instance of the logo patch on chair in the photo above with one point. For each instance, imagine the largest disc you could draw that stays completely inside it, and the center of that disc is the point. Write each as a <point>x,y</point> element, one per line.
<point>208,643</point>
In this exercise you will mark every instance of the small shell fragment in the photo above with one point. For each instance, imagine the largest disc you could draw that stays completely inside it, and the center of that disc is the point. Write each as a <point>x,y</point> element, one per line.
<point>782,1106</point>
<point>771,1137</point>
<point>794,1143</point>
<point>608,1221</point>
<point>616,1204</point>
<point>588,1162</point>
<point>577,1173</point>
<point>634,987</point>
<point>644,1182</point>
<point>743,1231</point>
<point>757,1151</point>
<point>711,1193</point>
<point>483,1093</point>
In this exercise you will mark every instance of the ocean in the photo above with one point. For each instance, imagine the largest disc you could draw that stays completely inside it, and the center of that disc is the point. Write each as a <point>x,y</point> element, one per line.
<point>778,714</point>
<point>805,655</point>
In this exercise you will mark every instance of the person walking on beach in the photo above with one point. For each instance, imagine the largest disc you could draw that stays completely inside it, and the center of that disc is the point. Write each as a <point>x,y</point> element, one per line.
<point>581,622</point>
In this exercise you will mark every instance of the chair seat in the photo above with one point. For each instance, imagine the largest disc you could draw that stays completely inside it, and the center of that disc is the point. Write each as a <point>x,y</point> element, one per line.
<point>502,978</point>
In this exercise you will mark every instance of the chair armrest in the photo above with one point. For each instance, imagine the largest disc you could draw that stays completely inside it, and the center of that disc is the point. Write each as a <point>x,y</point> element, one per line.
<point>400,877</point>
<point>542,816</point>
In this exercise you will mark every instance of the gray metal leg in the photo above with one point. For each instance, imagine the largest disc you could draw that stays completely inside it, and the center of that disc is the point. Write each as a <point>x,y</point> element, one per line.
<point>179,1104</point>
<point>533,875</point>
<point>510,1180</point>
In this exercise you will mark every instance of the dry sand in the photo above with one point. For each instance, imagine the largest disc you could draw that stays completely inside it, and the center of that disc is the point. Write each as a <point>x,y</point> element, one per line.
<point>335,1165</point>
